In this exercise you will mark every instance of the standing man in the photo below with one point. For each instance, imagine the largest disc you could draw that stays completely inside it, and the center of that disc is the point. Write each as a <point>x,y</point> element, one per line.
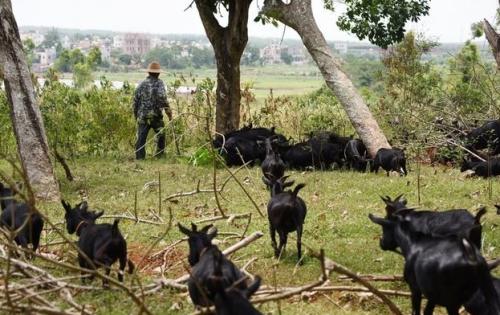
<point>149,100</point>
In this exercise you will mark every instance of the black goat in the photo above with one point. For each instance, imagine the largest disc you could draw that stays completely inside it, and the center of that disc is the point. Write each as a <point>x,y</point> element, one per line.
<point>476,305</point>
<point>481,168</point>
<point>315,152</point>
<point>239,150</point>
<point>486,136</point>
<point>273,166</point>
<point>201,259</point>
<point>20,217</point>
<point>447,270</point>
<point>231,300</point>
<point>102,244</point>
<point>286,213</point>
<point>298,156</point>
<point>355,155</point>
<point>437,223</point>
<point>390,160</point>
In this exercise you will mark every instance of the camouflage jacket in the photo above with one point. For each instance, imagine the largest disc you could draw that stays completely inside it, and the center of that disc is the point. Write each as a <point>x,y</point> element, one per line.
<point>149,99</point>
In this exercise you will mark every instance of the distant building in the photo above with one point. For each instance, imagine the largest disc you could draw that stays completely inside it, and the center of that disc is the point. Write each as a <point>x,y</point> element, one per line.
<point>298,55</point>
<point>47,56</point>
<point>135,43</point>
<point>118,41</point>
<point>84,44</point>
<point>105,47</point>
<point>271,54</point>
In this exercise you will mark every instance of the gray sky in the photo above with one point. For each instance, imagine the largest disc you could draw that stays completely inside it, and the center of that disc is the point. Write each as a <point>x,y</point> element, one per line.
<point>449,20</point>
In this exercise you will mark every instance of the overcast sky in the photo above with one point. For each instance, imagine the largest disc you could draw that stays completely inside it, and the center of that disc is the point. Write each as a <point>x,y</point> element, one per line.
<point>449,20</point>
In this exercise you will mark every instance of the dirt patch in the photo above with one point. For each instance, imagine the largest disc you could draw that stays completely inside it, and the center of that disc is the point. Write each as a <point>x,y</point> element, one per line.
<point>168,260</point>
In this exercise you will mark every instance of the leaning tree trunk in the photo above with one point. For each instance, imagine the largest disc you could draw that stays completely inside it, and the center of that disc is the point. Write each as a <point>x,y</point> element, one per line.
<point>299,16</point>
<point>25,114</point>
<point>494,39</point>
<point>229,43</point>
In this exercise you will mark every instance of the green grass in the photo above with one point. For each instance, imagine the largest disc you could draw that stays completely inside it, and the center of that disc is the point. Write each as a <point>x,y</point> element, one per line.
<point>338,204</point>
<point>282,79</point>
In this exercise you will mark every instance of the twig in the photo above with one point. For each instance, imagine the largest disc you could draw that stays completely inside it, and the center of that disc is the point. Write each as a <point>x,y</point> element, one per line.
<point>333,266</point>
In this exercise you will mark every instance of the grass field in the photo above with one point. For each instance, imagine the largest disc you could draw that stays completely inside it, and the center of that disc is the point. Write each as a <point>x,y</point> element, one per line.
<point>283,79</point>
<point>338,204</point>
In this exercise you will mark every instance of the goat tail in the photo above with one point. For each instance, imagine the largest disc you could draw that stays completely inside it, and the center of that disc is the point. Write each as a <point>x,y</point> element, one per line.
<point>297,189</point>
<point>131,266</point>
<point>114,230</point>
<point>479,214</point>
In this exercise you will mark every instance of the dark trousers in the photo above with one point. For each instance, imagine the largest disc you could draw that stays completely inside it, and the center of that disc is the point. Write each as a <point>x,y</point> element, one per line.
<point>143,127</point>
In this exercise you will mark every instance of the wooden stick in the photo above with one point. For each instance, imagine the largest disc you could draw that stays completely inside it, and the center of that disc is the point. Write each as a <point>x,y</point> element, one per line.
<point>333,266</point>
<point>381,278</point>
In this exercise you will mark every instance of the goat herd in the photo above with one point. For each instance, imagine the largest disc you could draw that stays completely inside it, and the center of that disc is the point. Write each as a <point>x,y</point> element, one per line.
<point>441,249</point>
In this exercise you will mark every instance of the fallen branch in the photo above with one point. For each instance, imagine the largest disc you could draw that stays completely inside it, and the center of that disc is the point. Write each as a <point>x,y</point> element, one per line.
<point>125,217</point>
<point>272,290</point>
<point>381,278</point>
<point>465,149</point>
<point>333,266</point>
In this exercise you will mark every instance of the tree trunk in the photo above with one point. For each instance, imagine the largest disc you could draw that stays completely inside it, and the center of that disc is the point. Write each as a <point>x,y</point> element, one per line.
<point>299,16</point>
<point>494,40</point>
<point>25,115</point>
<point>229,43</point>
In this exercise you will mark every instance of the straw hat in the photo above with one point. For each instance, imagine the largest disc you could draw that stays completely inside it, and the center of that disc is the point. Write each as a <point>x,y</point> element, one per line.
<point>154,67</point>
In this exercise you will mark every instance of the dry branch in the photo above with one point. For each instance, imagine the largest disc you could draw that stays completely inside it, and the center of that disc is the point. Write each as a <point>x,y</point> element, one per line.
<point>380,278</point>
<point>333,266</point>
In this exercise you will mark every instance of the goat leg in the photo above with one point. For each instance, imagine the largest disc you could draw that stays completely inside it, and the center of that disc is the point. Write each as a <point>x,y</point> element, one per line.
<point>283,241</point>
<point>299,243</point>
<point>429,308</point>
<point>416,300</point>
<point>272,231</point>
<point>121,271</point>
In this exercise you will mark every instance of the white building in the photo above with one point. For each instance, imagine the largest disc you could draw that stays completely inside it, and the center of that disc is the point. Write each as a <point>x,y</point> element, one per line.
<point>47,56</point>
<point>118,41</point>
<point>105,47</point>
<point>272,53</point>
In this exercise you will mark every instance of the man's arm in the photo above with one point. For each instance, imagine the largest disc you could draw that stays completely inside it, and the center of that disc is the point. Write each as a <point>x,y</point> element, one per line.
<point>164,103</point>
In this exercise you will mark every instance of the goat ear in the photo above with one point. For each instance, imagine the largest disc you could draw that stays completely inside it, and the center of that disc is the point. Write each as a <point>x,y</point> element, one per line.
<point>97,215</point>
<point>184,230</point>
<point>206,228</point>
<point>66,206</point>
<point>84,206</point>
<point>288,184</point>
<point>387,200</point>
<point>253,287</point>
<point>194,228</point>
<point>493,264</point>
<point>379,221</point>
<point>398,198</point>
<point>212,234</point>
<point>266,181</point>
<point>402,213</point>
